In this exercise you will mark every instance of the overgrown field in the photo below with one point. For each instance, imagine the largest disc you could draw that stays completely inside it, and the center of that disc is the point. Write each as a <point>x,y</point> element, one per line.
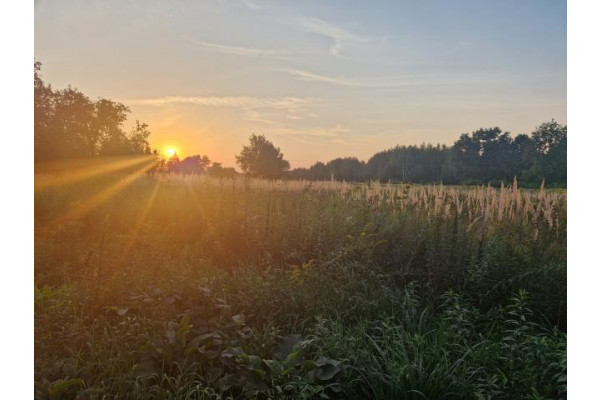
<point>187,287</point>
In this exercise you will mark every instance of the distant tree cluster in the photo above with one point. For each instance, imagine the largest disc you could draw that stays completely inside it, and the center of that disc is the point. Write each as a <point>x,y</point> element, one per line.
<point>194,165</point>
<point>484,156</point>
<point>68,124</point>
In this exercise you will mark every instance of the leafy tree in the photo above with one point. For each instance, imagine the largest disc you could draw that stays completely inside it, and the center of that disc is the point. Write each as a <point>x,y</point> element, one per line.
<point>347,169</point>
<point>496,161</point>
<point>549,135</point>
<point>409,164</point>
<point>487,155</point>
<point>43,97</point>
<point>262,159</point>
<point>550,163</point>
<point>139,138</point>
<point>466,155</point>
<point>171,164</point>
<point>68,124</point>
<point>194,165</point>
<point>72,127</point>
<point>190,165</point>
<point>524,154</point>
<point>319,171</point>
<point>110,136</point>
<point>218,171</point>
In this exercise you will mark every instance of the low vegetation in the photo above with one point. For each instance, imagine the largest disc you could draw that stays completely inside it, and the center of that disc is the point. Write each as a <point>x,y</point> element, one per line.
<point>152,286</point>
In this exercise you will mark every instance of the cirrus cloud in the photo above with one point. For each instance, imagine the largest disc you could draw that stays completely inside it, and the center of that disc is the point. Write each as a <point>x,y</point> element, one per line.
<point>240,50</point>
<point>340,37</point>
<point>256,109</point>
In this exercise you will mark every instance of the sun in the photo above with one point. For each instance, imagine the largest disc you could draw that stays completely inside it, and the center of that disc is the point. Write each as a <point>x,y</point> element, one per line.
<point>170,152</point>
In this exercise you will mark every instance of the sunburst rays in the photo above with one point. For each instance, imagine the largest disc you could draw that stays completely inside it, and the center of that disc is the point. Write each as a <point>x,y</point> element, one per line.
<point>65,172</point>
<point>140,222</point>
<point>84,207</point>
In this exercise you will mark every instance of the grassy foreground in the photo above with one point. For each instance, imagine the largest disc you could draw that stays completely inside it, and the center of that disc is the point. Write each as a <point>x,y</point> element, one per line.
<point>172,287</point>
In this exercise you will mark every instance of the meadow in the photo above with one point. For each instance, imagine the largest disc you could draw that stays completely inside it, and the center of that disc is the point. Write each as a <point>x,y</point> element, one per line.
<point>165,286</point>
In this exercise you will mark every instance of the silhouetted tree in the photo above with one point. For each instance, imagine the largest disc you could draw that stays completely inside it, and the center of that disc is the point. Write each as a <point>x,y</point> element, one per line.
<point>484,156</point>
<point>171,163</point>
<point>67,124</point>
<point>139,139</point>
<point>190,165</point>
<point>549,135</point>
<point>466,156</point>
<point>262,159</point>
<point>346,169</point>
<point>524,154</point>
<point>218,171</point>
<point>408,164</point>
<point>43,102</point>
<point>110,117</point>
<point>550,163</point>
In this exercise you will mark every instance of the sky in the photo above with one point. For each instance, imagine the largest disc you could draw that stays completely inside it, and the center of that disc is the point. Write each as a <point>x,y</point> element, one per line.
<point>320,79</point>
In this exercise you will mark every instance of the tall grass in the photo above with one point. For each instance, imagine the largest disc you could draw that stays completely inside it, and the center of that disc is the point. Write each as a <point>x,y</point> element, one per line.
<point>388,291</point>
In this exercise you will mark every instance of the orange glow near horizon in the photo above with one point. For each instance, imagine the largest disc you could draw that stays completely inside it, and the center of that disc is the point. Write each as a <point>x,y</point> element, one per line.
<point>171,152</point>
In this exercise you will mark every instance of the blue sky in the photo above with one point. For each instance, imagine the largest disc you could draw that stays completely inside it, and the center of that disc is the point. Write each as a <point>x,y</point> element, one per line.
<point>321,79</point>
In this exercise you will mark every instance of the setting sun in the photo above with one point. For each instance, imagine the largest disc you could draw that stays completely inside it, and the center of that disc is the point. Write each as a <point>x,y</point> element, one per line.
<point>170,152</point>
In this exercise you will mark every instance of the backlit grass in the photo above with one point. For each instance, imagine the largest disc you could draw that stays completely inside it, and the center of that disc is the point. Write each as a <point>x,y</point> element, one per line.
<point>197,288</point>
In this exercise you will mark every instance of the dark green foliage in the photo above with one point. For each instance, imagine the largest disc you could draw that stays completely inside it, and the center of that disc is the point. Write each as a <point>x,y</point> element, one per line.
<point>410,164</point>
<point>484,156</point>
<point>408,350</point>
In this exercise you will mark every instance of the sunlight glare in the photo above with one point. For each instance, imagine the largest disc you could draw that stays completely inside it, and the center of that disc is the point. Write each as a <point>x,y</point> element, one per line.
<point>102,197</point>
<point>171,152</point>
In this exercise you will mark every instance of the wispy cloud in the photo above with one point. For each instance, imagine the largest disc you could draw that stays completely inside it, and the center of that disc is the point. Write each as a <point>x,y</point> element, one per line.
<point>224,101</point>
<point>330,132</point>
<point>384,82</point>
<point>340,37</point>
<point>312,77</point>
<point>241,51</point>
<point>255,109</point>
<point>304,115</point>
<point>250,5</point>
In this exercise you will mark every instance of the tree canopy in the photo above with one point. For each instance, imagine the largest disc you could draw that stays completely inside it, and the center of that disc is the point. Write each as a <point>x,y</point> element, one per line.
<point>68,124</point>
<point>487,155</point>
<point>262,159</point>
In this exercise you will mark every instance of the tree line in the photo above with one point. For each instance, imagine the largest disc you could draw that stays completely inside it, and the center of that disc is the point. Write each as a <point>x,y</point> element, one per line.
<point>483,156</point>
<point>194,165</point>
<point>68,124</point>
